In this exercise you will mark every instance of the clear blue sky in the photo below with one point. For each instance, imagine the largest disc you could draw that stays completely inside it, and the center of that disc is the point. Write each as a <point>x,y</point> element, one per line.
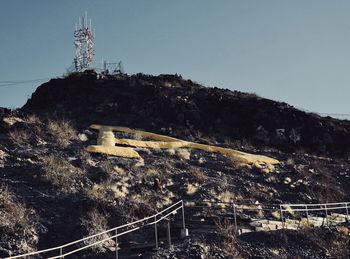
<point>296,51</point>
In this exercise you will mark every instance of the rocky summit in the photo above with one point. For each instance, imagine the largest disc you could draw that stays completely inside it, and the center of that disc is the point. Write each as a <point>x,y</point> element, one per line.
<point>160,140</point>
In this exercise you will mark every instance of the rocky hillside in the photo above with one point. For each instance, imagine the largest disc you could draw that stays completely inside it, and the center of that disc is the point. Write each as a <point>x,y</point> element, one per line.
<point>53,191</point>
<point>183,108</point>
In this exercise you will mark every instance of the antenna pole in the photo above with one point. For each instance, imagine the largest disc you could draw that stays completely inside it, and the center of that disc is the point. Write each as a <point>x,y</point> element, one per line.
<point>83,41</point>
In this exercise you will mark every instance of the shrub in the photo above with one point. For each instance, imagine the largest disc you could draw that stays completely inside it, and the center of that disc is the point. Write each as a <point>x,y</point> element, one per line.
<point>63,175</point>
<point>191,189</point>
<point>201,160</point>
<point>95,222</point>
<point>276,214</point>
<point>183,153</point>
<point>20,137</point>
<point>16,221</point>
<point>170,151</point>
<point>226,197</point>
<point>343,230</point>
<point>152,172</point>
<point>107,192</point>
<point>13,214</point>
<point>32,119</point>
<point>236,162</point>
<point>228,245</point>
<point>198,175</point>
<point>325,188</point>
<point>62,132</point>
<point>290,161</point>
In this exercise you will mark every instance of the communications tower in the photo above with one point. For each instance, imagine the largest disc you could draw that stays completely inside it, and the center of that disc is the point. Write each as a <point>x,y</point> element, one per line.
<point>84,43</point>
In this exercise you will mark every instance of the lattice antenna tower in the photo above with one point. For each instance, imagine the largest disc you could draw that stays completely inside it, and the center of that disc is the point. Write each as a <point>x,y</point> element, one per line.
<point>84,44</point>
<point>120,68</point>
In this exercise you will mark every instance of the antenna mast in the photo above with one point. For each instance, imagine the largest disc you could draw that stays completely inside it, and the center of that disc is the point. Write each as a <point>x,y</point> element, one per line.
<point>84,43</point>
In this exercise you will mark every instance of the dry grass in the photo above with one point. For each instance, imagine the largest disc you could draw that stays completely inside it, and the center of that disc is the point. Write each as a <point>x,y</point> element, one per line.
<point>290,161</point>
<point>152,172</point>
<point>17,223</point>
<point>325,188</point>
<point>139,163</point>
<point>107,166</point>
<point>170,151</point>
<point>98,193</point>
<point>94,223</point>
<point>119,170</point>
<point>198,175</point>
<point>288,209</point>
<point>85,157</point>
<point>236,163</point>
<point>62,132</point>
<point>183,153</point>
<point>151,201</point>
<point>107,192</point>
<point>229,245</point>
<point>201,160</point>
<point>140,205</point>
<point>276,214</point>
<point>63,175</point>
<point>343,230</point>
<point>136,198</point>
<point>20,137</point>
<point>13,214</point>
<point>33,130</point>
<point>226,197</point>
<point>191,189</point>
<point>33,119</point>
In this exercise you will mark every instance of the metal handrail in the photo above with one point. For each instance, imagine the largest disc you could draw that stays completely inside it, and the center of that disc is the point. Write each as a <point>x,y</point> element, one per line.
<point>173,211</point>
<point>315,204</point>
<point>307,208</point>
<point>317,209</point>
<point>262,204</point>
<point>119,234</point>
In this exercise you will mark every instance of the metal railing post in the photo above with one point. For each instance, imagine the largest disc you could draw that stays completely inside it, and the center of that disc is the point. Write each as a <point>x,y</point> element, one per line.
<point>307,216</point>
<point>61,252</point>
<point>347,212</point>
<point>183,215</point>
<point>235,218</point>
<point>325,208</point>
<point>116,244</point>
<point>156,231</point>
<point>282,219</point>
<point>169,233</point>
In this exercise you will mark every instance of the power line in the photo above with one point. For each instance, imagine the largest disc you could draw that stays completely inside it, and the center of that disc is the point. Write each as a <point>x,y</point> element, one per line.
<point>324,113</point>
<point>13,83</point>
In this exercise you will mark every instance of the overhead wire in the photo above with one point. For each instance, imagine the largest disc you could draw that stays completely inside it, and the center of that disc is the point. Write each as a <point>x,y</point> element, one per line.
<point>12,83</point>
<point>324,113</point>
